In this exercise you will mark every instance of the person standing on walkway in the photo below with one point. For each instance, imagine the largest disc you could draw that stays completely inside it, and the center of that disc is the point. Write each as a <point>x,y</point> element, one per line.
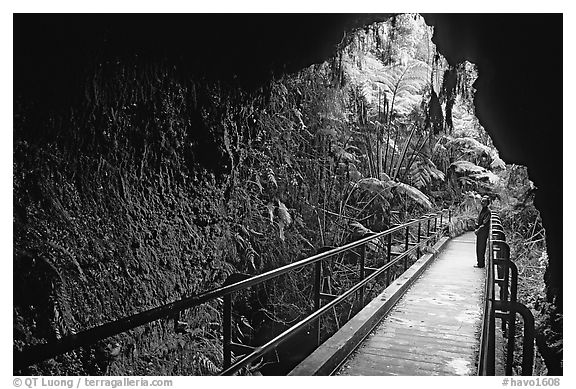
<point>482,230</point>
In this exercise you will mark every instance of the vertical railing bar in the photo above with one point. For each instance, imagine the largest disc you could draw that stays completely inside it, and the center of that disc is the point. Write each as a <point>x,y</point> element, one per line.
<point>418,251</point>
<point>317,287</point>
<point>491,367</point>
<point>406,247</point>
<point>528,339</point>
<point>362,275</point>
<point>389,254</point>
<point>227,330</point>
<point>512,318</point>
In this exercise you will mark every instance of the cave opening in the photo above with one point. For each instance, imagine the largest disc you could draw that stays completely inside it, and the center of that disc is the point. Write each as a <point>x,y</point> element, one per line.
<point>84,88</point>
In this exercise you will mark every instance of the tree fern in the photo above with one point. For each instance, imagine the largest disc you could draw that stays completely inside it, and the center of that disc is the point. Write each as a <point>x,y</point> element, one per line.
<point>403,85</point>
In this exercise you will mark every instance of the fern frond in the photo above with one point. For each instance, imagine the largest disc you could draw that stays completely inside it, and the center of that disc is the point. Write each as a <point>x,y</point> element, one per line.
<point>205,365</point>
<point>270,208</point>
<point>358,230</point>
<point>468,145</point>
<point>345,156</point>
<point>373,185</point>
<point>497,163</point>
<point>487,175</point>
<point>471,172</point>
<point>423,171</point>
<point>329,131</point>
<point>271,178</point>
<point>466,167</point>
<point>415,194</point>
<point>284,214</point>
<point>384,177</point>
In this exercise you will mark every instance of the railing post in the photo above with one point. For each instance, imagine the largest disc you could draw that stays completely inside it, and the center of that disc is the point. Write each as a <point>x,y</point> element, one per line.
<point>227,330</point>
<point>418,252</point>
<point>507,307</point>
<point>317,286</point>
<point>389,254</point>
<point>361,272</point>
<point>406,247</point>
<point>528,341</point>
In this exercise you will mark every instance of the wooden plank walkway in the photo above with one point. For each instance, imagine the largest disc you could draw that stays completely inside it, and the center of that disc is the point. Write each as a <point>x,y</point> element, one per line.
<point>435,328</point>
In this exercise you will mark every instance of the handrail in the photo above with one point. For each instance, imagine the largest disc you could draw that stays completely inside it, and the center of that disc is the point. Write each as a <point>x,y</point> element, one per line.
<point>38,353</point>
<point>487,336</point>
<point>505,308</point>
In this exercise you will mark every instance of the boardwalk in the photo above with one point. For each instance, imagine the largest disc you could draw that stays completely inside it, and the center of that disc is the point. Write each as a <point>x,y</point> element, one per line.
<point>434,329</point>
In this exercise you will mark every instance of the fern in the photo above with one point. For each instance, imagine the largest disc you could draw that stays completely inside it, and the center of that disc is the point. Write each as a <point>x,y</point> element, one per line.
<point>374,185</point>
<point>466,167</point>
<point>285,219</point>
<point>283,213</point>
<point>468,145</point>
<point>497,163</point>
<point>401,84</point>
<point>488,176</point>
<point>205,365</point>
<point>470,172</point>
<point>342,155</point>
<point>424,171</point>
<point>415,194</point>
<point>271,178</point>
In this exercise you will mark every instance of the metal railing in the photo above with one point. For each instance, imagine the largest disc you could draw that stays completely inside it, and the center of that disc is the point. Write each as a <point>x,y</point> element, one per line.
<point>502,271</point>
<point>432,224</point>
